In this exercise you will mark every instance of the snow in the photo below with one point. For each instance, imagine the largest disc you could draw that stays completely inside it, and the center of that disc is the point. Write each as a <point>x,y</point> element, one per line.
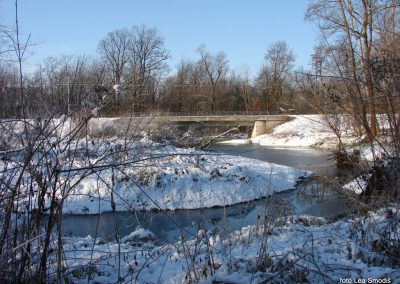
<point>300,249</point>
<point>151,176</point>
<point>314,131</point>
<point>303,131</point>
<point>236,141</point>
<point>373,152</point>
<point>138,235</point>
<point>63,118</point>
<point>116,88</point>
<point>358,185</point>
<point>96,111</point>
<point>179,179</point>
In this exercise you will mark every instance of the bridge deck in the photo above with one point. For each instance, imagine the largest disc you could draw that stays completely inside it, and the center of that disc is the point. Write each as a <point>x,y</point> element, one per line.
<point>261,124</point>
<point>215,118</point>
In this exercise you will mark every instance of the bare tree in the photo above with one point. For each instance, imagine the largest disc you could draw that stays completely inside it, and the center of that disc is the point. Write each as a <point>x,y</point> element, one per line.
<point>272,79</point>
<point>147,57</point>
<point>97,73</point>
<point>356,76</point>
<point>5,45</point>
<point>179,94</point>
<point>114,48</point>
<point>356,25</point>
<point>215,67</point>
<point>18,45</point>
<point>237,92</point>
<point>279,59</point>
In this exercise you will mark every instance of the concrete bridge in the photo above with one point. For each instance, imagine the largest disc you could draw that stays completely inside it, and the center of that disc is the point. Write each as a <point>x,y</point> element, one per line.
<point>261,123</point>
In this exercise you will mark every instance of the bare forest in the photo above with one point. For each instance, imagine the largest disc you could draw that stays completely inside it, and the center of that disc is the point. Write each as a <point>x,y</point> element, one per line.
<point>49,160</point>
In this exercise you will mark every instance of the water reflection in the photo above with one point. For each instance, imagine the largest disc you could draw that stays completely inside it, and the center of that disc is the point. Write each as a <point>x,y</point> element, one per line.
<point>168,226</point>
<point>318,161</point>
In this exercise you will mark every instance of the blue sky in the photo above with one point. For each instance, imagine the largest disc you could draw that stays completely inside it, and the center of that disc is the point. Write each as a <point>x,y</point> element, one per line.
<point>243,29</point>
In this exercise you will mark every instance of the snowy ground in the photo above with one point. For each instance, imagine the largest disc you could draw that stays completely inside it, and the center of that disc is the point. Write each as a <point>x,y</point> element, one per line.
<point>315,131</point>
<point>305,131</point>
<point>166,177</point>
<point>296,249</point>
<point>99,175</point>
<point>158,176</point>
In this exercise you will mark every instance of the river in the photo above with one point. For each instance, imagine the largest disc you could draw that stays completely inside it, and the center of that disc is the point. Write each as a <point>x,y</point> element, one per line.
<point>311,198</point>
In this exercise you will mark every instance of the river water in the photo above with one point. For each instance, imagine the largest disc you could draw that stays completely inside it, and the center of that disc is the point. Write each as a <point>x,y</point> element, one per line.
<point>310,159</point>
<point>167,226</point>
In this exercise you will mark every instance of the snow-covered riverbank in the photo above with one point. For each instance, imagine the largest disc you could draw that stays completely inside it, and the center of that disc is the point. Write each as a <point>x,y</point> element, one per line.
<point>173,178</point>
<point>296,249</point>
<point>293,249</point>
<point>98,175</point>
<point>301,131</point>
<point>316,131</point>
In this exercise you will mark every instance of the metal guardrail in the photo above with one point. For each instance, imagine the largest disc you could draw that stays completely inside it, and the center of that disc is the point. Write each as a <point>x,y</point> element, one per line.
<point>201,113</point>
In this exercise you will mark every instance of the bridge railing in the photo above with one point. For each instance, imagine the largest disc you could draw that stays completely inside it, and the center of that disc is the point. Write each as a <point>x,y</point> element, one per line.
<point>203,113</point>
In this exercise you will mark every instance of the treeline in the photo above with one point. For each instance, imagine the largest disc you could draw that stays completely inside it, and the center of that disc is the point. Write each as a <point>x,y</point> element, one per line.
<point>132,70</point>
<point>354,69</point>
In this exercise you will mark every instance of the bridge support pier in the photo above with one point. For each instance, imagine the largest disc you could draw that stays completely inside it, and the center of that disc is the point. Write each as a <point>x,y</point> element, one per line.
<point>260,128</point>
<point>267,125</point>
